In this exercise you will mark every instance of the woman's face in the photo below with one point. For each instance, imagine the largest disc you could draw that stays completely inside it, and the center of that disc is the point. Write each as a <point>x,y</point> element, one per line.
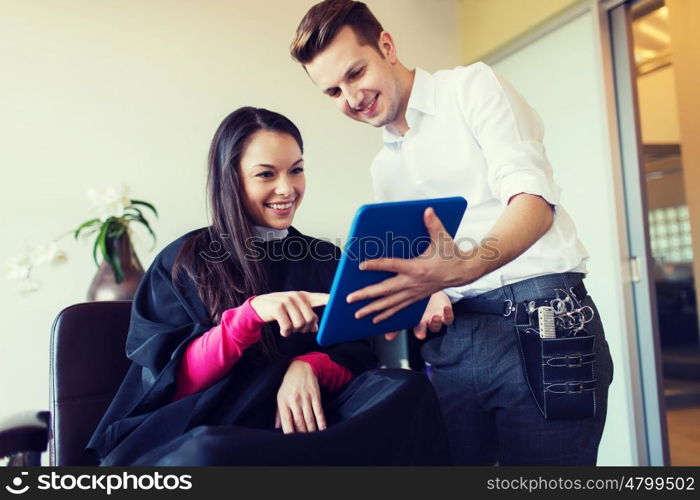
<point>272,173</point>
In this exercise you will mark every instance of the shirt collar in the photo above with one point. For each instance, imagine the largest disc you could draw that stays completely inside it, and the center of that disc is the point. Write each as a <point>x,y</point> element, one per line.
<point>421,100</point>
<point>270,233</point>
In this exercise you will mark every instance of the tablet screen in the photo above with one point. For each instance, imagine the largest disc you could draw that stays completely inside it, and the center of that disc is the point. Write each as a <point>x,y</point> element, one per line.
<point>393,229</point>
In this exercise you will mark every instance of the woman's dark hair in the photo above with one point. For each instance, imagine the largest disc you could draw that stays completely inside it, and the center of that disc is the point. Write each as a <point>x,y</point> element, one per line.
<point>229,278</point>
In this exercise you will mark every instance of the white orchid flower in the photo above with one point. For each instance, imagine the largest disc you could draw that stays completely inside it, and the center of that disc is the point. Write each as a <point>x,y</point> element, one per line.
<point>48,254</point>
<point>19,267</point>
<point>109,202</point>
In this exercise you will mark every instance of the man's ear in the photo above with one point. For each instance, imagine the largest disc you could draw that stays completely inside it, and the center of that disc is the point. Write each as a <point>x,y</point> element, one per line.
<point>387,47</point>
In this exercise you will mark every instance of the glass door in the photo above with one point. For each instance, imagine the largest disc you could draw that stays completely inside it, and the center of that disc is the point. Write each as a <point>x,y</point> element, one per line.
<point>654,42</point>
<point>670,228</point>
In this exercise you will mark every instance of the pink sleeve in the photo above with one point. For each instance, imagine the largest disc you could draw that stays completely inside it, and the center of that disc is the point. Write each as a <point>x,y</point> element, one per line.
<point>330,375</point>
<point>210,356</point>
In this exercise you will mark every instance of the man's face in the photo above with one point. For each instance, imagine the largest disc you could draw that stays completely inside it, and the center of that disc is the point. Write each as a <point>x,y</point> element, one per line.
<point>360,81</point>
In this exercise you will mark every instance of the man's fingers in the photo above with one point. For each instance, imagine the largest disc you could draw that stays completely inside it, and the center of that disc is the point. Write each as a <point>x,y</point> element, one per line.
<point>419,330</point>
<point>435,323</point>
<point>433,224</point>
<point>382,304</point>
<point>385,264</point>
<point>318,412</point>
<point>393,310</point>
<point>448,315</point>
<point>386,287</point>
<point>278,422</point>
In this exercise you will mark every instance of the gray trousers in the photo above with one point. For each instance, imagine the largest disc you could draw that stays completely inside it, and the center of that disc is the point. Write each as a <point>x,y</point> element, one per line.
<point>490,414</point>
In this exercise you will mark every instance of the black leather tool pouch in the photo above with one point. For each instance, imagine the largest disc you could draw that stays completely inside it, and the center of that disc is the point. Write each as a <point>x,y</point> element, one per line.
<point>560,372</point>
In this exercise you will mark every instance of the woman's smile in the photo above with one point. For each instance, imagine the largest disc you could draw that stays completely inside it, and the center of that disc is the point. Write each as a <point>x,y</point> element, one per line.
<point>281,208</point>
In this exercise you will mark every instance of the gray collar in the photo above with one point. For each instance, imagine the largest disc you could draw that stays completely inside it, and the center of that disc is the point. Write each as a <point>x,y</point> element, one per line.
<point>270,233</point>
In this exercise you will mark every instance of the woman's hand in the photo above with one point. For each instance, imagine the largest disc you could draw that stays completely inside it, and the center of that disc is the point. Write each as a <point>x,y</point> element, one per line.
<point>299,400</point>
<point>292,310</point>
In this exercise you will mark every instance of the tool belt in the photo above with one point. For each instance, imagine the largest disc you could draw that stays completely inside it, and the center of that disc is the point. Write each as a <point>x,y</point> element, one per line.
<point>556,352</point>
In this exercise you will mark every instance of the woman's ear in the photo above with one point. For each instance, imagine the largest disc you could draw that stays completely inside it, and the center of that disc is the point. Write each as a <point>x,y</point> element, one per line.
<point>387,47</point>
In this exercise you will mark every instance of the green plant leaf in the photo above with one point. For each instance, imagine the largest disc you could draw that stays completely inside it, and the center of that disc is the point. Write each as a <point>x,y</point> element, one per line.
<point>94,253</point>
<point>84,225</point>
<point>142,220</point>
<point>106,237</point>
<point>145,204</point>
<point>113,259</point>
<point>134,216</point>
<point>99,243</point>
<point>134,209</point>
<point>116,229</point>
<point>90,232</point>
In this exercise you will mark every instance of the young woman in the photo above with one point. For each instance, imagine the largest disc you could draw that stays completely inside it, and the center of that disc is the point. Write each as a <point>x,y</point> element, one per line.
<point>225,366</point>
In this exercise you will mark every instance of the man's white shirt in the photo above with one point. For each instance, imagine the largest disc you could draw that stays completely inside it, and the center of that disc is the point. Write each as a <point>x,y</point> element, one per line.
<point>472,135</point>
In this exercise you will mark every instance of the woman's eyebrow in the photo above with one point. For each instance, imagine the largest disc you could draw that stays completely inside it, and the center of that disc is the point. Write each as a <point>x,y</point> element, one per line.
<point>269,165</point>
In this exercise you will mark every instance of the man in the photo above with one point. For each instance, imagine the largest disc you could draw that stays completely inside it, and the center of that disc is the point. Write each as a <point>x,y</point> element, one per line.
<point>466,132</point>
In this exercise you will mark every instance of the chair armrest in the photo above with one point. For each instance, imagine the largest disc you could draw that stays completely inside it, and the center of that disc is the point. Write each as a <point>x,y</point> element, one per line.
<point>24,432</point>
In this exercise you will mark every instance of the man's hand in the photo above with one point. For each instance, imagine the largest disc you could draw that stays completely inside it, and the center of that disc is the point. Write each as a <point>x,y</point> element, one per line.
<point>526,218</point>
<point>299,400</point>
<point>437,314</point>
<point>438,267</point>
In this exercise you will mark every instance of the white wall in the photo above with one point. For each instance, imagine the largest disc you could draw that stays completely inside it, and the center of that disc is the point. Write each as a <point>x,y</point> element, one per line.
<point>559,75</point>
<point>97,93</point>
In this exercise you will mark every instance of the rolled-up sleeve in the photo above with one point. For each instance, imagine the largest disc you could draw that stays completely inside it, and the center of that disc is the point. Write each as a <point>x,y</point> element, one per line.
<point>510,134</point>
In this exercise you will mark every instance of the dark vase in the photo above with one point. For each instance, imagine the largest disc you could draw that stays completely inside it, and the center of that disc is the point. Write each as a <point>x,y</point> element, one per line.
<point>105,287</point>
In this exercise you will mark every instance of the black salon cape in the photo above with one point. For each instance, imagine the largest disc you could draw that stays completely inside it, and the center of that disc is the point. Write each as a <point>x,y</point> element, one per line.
<point>382,417</point>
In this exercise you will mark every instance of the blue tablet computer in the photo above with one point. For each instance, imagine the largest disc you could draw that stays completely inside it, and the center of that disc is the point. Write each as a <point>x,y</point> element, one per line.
<point>381,230</point>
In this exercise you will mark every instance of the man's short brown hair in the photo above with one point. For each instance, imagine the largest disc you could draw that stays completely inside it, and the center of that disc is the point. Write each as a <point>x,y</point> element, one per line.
<point>324,20</point>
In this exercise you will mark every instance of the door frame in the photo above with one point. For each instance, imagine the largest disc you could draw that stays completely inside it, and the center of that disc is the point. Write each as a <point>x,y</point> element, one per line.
<point>613,31</point>
<point>617,18</point>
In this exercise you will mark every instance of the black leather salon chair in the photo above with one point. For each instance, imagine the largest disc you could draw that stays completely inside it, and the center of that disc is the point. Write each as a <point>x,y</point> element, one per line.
<point>88,363</point>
